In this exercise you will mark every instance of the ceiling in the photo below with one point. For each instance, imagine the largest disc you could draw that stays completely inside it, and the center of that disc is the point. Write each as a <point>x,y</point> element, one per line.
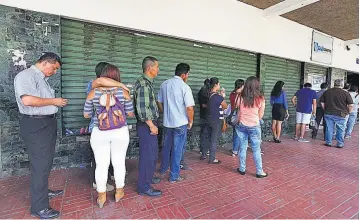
<point>338,18</point>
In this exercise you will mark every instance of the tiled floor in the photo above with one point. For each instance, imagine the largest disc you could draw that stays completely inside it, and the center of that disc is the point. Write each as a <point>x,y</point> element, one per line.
<point>306,180</point>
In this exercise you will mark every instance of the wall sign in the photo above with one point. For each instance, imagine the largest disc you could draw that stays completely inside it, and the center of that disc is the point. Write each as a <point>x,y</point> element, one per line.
<point>321,48</point>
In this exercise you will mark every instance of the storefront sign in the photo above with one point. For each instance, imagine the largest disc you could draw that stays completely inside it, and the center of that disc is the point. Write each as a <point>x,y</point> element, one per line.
<point>321,48</point>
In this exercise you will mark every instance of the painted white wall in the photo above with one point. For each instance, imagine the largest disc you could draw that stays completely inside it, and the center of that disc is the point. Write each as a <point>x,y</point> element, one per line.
<point>223,22</point>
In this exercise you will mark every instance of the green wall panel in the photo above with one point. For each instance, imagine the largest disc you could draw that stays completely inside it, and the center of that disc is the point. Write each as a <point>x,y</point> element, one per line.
<point>86,44</point>
<point>274,69</point>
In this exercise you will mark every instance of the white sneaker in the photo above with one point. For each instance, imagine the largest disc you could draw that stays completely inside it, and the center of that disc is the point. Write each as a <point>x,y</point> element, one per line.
<point>109,187</point>
<point>347,137</point>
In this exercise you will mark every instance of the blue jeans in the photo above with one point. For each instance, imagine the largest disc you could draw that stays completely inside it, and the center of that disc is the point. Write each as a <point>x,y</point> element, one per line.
<point>350,123</point>
<point>236,141</point>
<point>174,142</point>
<point>254,135</point>
<point>332,122</point>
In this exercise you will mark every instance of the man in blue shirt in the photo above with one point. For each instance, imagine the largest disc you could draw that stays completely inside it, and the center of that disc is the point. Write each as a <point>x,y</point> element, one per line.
<point>176,101</point>
<point>305,102</point>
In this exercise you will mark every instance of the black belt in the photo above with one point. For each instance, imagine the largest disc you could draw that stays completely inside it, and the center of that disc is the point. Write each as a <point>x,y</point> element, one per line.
<point>39,116</point>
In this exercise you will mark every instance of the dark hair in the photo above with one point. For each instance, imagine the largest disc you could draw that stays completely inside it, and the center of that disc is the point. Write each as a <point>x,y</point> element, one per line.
<point>251,92</point>
<point>182,68</point>
<point>276,92</point>
<point>238,84</point>
<point>99,68</point>
<point>207,82</point>
<point>353,88</point>
<point>213,81</point>
<point>323,85</point>
<point>307,85</point>
<point>148,61</point>
<point>112,72</point>
<point>49,57</point>
<point>347,86</point>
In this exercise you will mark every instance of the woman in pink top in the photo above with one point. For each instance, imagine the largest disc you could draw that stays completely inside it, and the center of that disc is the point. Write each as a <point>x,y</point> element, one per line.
<point>252,106</point>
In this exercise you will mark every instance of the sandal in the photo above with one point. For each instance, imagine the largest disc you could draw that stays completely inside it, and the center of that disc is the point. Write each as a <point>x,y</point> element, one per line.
<point>216,161</point>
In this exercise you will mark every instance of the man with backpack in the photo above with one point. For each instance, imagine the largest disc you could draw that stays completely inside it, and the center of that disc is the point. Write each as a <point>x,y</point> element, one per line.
<point>147,114</point>
<point>177,103</point>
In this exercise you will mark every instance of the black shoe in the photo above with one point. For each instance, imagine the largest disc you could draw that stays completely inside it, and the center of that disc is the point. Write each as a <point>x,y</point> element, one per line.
<point>328,145</point>
<point>261,176</point>
<point>277,141</point>
<point>241,172</point>
<point>46,213</point>
<point>52,194</point>
<point>151,192</point>
<point>155,180</point>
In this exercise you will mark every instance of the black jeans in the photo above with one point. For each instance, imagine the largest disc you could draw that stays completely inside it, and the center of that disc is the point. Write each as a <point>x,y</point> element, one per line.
<point>319,116</point>
<point>214,131</point>
<point>148,147</point>
<point>204,135</point>
<point>39,135</point>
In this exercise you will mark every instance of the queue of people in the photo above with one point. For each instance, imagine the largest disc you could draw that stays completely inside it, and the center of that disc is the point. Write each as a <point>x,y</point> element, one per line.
<point>109,105</point>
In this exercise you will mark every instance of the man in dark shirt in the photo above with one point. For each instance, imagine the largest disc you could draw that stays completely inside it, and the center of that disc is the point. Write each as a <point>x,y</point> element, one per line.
<point>203,97</point>
<point>337,104</point>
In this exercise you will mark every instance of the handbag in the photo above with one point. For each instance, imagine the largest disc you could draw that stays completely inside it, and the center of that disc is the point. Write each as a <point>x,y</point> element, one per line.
<point>233,118</point>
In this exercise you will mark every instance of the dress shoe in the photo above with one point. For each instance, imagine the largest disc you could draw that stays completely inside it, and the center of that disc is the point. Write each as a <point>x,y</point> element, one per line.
<point>46,213</point>
<point>151,192</point>
<point>155,180</point>
<point>52,194</point>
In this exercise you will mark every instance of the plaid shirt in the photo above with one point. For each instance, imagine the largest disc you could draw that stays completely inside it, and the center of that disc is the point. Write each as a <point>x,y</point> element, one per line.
<point>144,99</point>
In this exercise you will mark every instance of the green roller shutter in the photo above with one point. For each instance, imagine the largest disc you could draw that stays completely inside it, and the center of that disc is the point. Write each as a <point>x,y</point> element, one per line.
<point>86,44</point>
<point>274,69</point>
<point>315,75</point>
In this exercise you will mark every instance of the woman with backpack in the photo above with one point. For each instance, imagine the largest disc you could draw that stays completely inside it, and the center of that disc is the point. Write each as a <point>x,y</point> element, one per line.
<point>110,135</point>
<point>280,111</point>
<point>234,97</point>
<point>214,119</point>
<point>251,110</point>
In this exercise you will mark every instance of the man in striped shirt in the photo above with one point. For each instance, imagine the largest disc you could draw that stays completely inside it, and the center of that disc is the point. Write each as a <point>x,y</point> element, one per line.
<point>147,114</point>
